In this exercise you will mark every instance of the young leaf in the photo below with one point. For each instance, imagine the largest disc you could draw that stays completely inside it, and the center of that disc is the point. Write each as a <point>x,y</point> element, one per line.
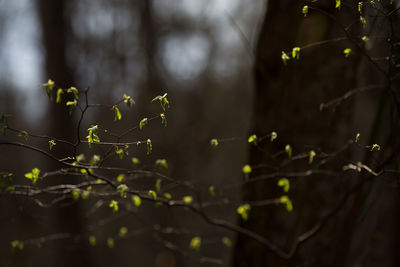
<point>162,163</point>
<point>114,205</point>
<point>137,201</point>
<point>163,101</point>
<point>119,152</point>
<point>117,113</point>
<point>365,39</point>
<point>214,142</point>
<point>195,243</point>
<point>143,123</point>
<point>360,5</point>
<point>187,199</point>
<point>357,137</point>
<point>246,170</point>
<point>287,202</point>
<point>16,244</point>
<point>59,93</point>
<point>24,134</point>
<point>252,139</point>
<point>33,175</point>
<point>363,21</point>
<point>296,52</point>
<point>120,178</point>
<point>288,150</point>
<point>149,146</point>
<point>51,144</point>
<point>305,10</point>
<point>121,189</point>
<point>284,183</point>
<point>163,119</point>
<point>226,241</point>
<point>243,211</point>
<point>375,147</point>
<point>158,185</point>
<point>285,57</point>
<point>152,194</point>
<point>49,87</point>
<point>72,104</point>
<point>74,91</point>
<point>135,161</point>
<point>274,135</point>
<point>75,194</point>
<point>167,195</point>
<point>338,3</point>
<point>95,159</point>
<point>110,242</point>
<point>311,156</point>
<point>93,137</point>
<point>123,231</point>
<point>211,190</point>
<point>92,240</point>
<point>347,52</point>
<point>128,100</point>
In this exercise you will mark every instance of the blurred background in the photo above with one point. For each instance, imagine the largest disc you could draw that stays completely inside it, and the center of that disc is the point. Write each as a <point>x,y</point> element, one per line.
<point>199,52</point>
<point>220,63</point>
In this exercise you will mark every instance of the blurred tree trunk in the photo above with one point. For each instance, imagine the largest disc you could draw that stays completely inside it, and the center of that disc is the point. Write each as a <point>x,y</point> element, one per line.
<point>55,29</point>
<point>287,101</point>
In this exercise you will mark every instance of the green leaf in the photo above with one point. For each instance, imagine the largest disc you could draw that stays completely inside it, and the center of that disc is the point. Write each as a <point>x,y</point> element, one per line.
<point>80,158</point>
<point>357,137</point>
<point>288,150</point>
<point>75,194</point>
<point>49,87</point>
<point>24,134</point>
<point>375,147</point>
<point>163,101</point>
<point>143,123</point>
<point>74,91</point>
<point>123,231</point>
<point>285,57</point>
<point>92,240</point>
<point>120,178</point>
<point>128,100</point>
<point>114,205</point>
<point>149,146</point>
<point>287,202</point>
<point>152,194</point>
<point>16,244</point>
<point>137,201</point>
<point>121,189</point>
<point>59,93</point>
<point>284,183</point>
<point>51,144</point>
<point>135,161</point>
<point>363,21</point>
<point>214,142</point>
<point>296,52</point>
<point>93,135</point>
<point>211,190</point>
<point>72,104</point>
<point>158,185</point>
<point>365,39</point>
<point>243,211</point>
<point>305,10</point>
<point>195,243</point>
<point>347,52</point>
<point>274,135</point>
<point>119,152</point>
<point>33,175</point>
<point>226,241</point>
<point>162,163</point>
<point>95,159</point>
<point>117,113</point>
<point>246,170</point>
<point>311,156</point>
<point>187,199</point>
<point>110,242</point>
<point>163,119</point>
<point>252,139</point>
